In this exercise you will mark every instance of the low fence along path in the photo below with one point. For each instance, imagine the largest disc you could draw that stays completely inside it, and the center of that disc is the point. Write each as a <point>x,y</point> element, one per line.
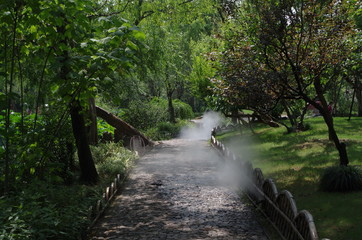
<point>177,191</point>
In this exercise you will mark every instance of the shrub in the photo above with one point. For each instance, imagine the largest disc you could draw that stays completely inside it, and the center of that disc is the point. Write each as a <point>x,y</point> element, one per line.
<point>47,211</point>
<point>165,130</point>
<point>168,129</point>
<point>182,110</point>
<point>112,159</point>
<point>341,179</point>
<point>146,115</point>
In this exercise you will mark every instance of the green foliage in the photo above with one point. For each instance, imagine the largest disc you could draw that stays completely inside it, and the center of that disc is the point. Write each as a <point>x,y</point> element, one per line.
<point>42,211</point>
<point>103,127</point>
<point>297,161</point>
<point>112,159</point>
<point>341,179</point>
<point>165,130</point>
<point>182,110</point>
<point>145,115</point>
<point>200,76</point>
<point>43,151</point>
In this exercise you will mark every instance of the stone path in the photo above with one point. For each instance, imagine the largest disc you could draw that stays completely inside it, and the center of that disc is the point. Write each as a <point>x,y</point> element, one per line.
<point>177,191</point>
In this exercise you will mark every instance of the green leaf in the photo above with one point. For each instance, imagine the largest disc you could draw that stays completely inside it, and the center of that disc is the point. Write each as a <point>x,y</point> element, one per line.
<point>33,29</point>
<point>132,45</point>
<point>139,35</point>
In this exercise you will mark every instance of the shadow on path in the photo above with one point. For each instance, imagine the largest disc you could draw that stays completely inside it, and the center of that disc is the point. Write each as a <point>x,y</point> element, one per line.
<point>177,191</point>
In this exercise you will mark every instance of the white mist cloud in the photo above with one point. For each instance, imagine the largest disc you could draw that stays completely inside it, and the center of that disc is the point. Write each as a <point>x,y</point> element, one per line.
<point>229,173</point>
<point>203,127</point>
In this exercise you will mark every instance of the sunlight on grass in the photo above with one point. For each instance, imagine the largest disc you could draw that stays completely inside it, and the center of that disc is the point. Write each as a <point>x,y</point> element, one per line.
<point>296,161</point>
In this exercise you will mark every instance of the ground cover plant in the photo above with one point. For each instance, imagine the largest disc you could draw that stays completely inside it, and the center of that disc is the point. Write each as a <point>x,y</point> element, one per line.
<point>51,210</point>
<point>296,162</point>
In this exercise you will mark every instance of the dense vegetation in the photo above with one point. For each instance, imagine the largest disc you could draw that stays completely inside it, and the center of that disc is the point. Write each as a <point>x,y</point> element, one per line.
<point>154,64</point>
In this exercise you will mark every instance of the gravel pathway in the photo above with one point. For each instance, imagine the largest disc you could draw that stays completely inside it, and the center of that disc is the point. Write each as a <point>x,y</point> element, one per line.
<point>177,191</point>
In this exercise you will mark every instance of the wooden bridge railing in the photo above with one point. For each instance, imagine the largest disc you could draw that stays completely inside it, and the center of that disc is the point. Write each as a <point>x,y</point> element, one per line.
<point>279,208</point>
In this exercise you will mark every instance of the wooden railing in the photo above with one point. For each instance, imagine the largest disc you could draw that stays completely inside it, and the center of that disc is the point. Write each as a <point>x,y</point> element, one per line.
<point>96,211</point>
<point>138,146</point>
<point>279,208</point>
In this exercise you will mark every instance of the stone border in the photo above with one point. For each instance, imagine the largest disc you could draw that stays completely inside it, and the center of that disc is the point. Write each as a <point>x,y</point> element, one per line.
<point>279,208</point>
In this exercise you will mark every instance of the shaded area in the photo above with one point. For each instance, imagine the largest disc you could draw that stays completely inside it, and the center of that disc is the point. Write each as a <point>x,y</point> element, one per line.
<point>177,192</point>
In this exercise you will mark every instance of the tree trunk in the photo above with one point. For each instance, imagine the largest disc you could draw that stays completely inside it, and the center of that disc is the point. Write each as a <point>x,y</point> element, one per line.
<point>300,125</point>
<point>92,128</point>
<point>290,116</point>
<point>171,109</point>
<point>89,173</point>
<point>359,101</point>
<point>88,170</point>
<point>341,147</point>
<point>327,116</point>
<point>234,116</point>
<point>121,125</point>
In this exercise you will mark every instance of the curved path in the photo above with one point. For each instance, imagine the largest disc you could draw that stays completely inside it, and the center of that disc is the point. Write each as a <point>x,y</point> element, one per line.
<point>177,192</point>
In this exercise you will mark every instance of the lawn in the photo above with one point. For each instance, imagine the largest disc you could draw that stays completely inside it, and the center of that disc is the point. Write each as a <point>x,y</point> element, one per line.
<point>295,162</point>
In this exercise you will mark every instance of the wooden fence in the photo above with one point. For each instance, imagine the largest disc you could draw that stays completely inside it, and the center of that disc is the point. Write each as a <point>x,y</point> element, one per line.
<point>279,207</point>
<point>96,211</point>
<point>137,145</point>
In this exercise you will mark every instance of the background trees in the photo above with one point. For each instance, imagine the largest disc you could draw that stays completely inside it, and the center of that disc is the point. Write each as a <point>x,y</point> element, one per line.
<point>57,57</point>
<point>54,59</point>
<point>296,49</point>
<point>133,57</point>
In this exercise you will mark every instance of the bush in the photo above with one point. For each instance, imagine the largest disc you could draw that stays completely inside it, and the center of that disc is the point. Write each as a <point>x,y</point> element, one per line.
<point>112,159</point>
<point>46,211</point>
<point>168,129</point>
<point>165,130</point>
<point>182,110</point>
<point>341,179</point>
<point>146,115</point>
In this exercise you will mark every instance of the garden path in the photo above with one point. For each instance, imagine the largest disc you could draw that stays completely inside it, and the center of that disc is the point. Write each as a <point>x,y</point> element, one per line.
<point>176,191</point>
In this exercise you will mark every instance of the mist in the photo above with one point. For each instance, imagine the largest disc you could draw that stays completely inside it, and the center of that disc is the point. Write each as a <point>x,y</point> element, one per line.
<point>202,128</point>
<point>230,173</point>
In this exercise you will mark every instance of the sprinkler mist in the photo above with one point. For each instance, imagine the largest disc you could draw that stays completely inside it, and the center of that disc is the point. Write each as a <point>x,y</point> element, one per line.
<point>202,128</point>
<point>230,174</point>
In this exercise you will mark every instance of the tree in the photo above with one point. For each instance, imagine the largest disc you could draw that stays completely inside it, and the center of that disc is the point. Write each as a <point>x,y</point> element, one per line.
<point>301,43</point>
<point>85,62</point>
<point>242,83</point>
<point>60,53</point>
<point>172,28</point>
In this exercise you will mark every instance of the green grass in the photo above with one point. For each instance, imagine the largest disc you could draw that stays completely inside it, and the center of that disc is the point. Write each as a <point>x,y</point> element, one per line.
<point>296,161</point>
